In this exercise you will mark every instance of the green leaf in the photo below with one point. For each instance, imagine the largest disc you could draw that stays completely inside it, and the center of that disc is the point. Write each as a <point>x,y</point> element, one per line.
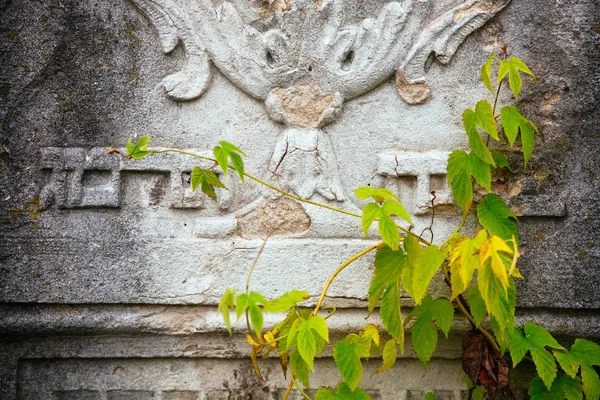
<point>424,334</point>
<point>389,231</point>
<point>391,314</point>
<point>378,194</point>
<point>207,180</point>
<point>471,120</point>
<point>299,368</point>
<point>478,307</point>
<point>464,261</point>
<point>486,73</point>
<point>481,172</point>
<point>251,303</point>
<point>429,396</point>
<point>459,179</point>
<point>140,149</point>
<point>392,207</point>
<point>287,301</point>
<point>485,118</point>
<point>388,267</point>
<point>514,122</point>
<point>227,151</point>
<point>222,158</point>
<point>347,354</point>
<point>230,147</point>
<point>500,160</point>
<point>238,165</point>
<point>512,68</point>
<point>256,319</point>
<point>227,303</point>
<point>495,216</point>
<point>535,340</point>
<point>390,352</point>
<point>563,387</point>
<point>319,326</point>
<point>585,354</point>
<point>370,213</point>
<point>343,393</point>
<point>306,343</point>
<point>370,334</point>
<point>478,393</point>
<point>591,382</point>
<point>425,266</point>
<point>500,302</point>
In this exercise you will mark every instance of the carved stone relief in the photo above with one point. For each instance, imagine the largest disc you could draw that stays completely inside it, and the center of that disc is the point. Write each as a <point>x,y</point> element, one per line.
<point>304,60</point>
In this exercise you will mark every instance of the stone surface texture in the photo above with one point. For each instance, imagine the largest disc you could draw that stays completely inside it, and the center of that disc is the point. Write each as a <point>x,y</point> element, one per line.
<point>110,269</point>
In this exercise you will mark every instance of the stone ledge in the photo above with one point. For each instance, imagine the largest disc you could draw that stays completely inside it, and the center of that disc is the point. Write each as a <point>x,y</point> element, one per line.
<point>56,319</point>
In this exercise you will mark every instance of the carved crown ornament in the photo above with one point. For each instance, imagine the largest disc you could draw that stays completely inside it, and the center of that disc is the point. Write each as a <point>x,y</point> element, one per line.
<point>303,59</point>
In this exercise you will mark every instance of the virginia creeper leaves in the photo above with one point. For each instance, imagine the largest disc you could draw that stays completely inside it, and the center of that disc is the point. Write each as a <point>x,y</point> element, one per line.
<point>308,334</point>
<point>207,180</point>
<point>484,118</point>
<point>391,314</point>
<point>461,167</point>
<point>514,122</point>
<point>512,68</point>
<point>424,333</point>
<point>390,352</point>
<point>421,267</point>
<point>227,303</point>
<point>343,393</point>
<point>563,387</point>
<point>385,206</point>
<point>347,354</point>
<point>388,266</point>
<point>584,354</point>
<point>464,260</point>
<point>486,73</point>
<point>495,216</point>
<point>251,303</point>
<point>287,301</point>
<point>227,151</point>
<point>535,340</point>
<point>138,150</point>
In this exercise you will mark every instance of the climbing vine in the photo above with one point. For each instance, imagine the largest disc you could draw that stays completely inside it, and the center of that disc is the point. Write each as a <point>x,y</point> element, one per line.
<point>480,271</point>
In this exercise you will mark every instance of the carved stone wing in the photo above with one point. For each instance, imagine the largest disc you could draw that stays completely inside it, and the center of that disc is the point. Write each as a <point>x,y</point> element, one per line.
<point>357,58</point>
<point>441,37</point>
<point>172,25</point>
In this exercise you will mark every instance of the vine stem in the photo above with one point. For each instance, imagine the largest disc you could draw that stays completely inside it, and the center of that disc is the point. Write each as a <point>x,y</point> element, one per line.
<point>340,269</point>
<point>487,144</point>
<point>289,195</point>
<point>490,338</point>
<point>250,331</point>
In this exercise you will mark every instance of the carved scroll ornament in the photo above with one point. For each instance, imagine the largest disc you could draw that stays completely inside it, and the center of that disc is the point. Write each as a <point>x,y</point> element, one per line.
<point>304,61</point>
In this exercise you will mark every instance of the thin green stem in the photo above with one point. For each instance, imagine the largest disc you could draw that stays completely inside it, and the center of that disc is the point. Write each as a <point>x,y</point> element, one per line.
<point>287,194</point>
<point>490,338</point>
<point>288,390</point>
<point>262,248</point>
<point>340,269</point>
<point>250,331</point>
<point>298,388</point>
<point>494,108</point>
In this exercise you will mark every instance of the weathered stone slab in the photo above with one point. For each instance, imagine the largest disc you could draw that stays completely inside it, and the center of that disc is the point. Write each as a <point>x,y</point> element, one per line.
<point>110,268</point>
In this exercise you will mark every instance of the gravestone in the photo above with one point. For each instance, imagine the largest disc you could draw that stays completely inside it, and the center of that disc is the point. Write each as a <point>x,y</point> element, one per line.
<point>111,268</point>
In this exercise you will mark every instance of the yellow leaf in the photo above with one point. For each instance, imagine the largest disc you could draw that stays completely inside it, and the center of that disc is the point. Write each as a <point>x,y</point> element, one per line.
<point>251,340</point>
<point>256,351</point>
<point>491,249</point>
